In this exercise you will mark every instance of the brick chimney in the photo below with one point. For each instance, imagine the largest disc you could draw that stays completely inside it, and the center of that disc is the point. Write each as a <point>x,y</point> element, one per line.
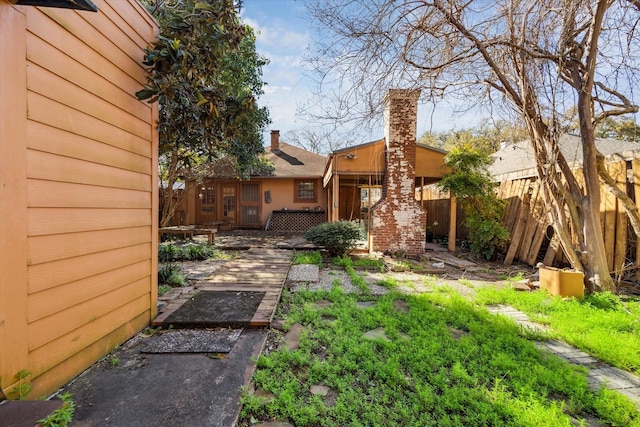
<point>398,219</point>
<point>275,140</point>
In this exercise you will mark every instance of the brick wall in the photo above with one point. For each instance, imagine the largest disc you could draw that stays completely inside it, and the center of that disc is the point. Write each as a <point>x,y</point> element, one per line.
<point>398,219</point>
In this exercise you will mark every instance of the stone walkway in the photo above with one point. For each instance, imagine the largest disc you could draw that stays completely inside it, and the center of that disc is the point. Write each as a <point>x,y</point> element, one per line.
<point>599,372</point>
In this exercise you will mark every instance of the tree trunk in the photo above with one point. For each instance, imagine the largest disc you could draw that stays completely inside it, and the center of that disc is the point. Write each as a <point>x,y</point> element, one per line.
<point>597,276</point>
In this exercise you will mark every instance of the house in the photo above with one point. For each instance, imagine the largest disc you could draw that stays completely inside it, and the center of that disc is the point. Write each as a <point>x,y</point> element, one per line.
<point>376,182</point>
<point>78,200</point>
<point>289,198</point>
<point>532,240</point>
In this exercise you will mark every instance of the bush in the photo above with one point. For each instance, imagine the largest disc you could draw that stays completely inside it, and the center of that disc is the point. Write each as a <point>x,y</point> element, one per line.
<point>170,275</point>
<point>337,238</point>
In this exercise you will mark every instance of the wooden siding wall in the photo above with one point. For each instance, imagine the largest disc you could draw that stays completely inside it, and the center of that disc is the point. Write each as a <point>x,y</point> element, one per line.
<point>85,151</point>
<point>532,240</point>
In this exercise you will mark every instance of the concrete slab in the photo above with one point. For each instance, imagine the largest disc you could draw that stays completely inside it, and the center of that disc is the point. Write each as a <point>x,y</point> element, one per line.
<point>26,413</point>
<point>167,389</point>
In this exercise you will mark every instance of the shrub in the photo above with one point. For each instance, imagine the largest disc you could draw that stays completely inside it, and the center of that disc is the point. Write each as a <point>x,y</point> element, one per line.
<point>168,253</point>
<point>335,237</point>
<point>170,275</point>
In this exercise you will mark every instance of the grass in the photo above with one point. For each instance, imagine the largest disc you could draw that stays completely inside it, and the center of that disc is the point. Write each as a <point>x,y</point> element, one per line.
<point>422,375</point>
<point>601,324</point>
<point>307,257</point>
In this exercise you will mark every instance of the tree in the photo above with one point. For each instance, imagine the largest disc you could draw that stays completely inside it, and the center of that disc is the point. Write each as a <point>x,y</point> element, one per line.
<point>205,73</point>
<point>537,59</point>
<point>486,137</point>
<point>318,140</point>
<point>471,183</point>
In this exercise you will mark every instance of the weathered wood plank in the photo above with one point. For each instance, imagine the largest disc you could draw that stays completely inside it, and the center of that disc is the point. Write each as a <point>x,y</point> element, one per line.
<point>52,140</point>
<point>45,221</point>
<point>516,236</point>
<point>61,91</point>
<point>635,164</point>
<point>608,202</point>
<point>51,274</point>
<point>531,223</point>
<point>68,69</point>
<point>618,172</point>
<point>48,30</point>
<point>60,116</point>
<point>52,194</point>
<point>68,368</point>
<point>56,247</point>
<point>122,56</point>
<point>13,182</point>
<point>57,351</point>
<point>50,328</point>
<point>52,167</point>
<point>57,299</point>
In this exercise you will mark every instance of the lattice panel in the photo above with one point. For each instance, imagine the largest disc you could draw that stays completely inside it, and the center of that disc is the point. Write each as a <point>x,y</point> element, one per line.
<point>299,221</point>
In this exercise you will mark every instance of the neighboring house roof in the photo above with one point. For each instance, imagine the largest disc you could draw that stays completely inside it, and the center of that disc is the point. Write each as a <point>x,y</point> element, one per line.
<point>518,160</point>
<point>291,162</point>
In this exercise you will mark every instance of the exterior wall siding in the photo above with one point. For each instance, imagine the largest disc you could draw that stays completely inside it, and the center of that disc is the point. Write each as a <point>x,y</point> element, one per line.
<point>90,194</point>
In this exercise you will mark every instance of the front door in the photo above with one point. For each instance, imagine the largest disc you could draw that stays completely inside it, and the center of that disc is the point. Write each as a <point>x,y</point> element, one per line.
<point>228,207</point>
<point>250,205</point>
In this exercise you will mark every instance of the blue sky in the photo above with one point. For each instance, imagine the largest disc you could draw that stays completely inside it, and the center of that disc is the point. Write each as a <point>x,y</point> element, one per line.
<point>283,35</point>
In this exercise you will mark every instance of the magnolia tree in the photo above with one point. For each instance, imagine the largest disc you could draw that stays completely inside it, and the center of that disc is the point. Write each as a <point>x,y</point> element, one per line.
<point>537,59</point>
<point>206,75</point>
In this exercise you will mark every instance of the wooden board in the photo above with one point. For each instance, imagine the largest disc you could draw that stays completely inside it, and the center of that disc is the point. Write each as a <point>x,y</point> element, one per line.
<point>55,247</point>
<point>516,236</point>
<point>72,270</point>
<point>52,140</point>
<point>618,172</point>
<point>636,188</point>
<point>57,299</point>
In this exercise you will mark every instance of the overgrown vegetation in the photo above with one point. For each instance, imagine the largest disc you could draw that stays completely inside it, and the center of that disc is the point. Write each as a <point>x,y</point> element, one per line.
<point>440,362</point>
<point>473,186</point>
<point>170,275</point>
<point>191,252</point>
<point>601,324</point>
<point>307,257</point>
<point>23,388</point>
<point>337,238</point>
<point>62,416</point>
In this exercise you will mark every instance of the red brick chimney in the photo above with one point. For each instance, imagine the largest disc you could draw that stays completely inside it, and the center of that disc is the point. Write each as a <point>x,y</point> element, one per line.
<point>398,219</point>
<point>275,140</point>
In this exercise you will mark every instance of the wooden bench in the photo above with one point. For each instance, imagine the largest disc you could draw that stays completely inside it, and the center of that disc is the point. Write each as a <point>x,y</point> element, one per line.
<point>189,231</point>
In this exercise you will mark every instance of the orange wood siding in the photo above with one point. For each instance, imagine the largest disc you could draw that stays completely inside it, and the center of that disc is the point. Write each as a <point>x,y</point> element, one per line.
<point>368,158</point>
<point>430,163</point>
<point>89,203</point>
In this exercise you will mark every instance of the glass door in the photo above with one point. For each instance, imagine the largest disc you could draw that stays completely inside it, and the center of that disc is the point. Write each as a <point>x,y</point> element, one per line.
<point>229,203</point>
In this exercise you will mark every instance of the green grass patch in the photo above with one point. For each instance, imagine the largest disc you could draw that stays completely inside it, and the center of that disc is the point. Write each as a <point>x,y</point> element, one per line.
<point>373,263</point>
<point>423,374</point>
<point>601,324</point>
<point>307,257</point>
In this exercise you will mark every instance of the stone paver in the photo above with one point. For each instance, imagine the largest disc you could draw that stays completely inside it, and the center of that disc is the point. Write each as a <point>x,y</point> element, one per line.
<point>599,372</point>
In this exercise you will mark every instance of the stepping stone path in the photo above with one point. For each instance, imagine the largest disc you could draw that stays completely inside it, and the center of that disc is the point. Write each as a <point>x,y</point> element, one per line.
<point>599,372</point>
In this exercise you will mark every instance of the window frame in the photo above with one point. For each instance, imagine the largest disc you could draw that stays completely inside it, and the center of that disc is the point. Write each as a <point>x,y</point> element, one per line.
<point>296,191</point>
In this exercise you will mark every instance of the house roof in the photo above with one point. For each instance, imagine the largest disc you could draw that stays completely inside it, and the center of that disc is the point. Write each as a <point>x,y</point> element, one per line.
<point>517,160</point>
<point>291,162</point>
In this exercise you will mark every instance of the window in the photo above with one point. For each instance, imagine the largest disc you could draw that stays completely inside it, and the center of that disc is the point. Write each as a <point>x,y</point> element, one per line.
<point>208,198</point>
<point>305,191</point>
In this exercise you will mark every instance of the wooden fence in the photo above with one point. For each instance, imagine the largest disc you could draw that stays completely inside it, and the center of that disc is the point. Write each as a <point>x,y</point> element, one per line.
<point>532,237</point>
